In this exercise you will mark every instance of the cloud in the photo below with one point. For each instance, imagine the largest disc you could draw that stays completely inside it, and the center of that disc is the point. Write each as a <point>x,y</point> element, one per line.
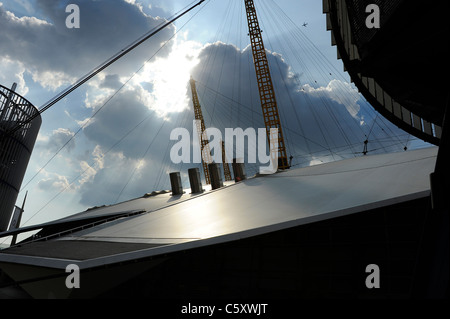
<point>118,117</point>
<point>131,139</point>
<point>102,187</point>
<point>54,183</point>
<point>13,71</point>
<point>167,77</point>
<point>59,137</point>
<point>308,115</point>
<point>338,91</point>
<point>328,122</point>
<point>56,55</point>
<point>88,171</point>
<point>111,81</point>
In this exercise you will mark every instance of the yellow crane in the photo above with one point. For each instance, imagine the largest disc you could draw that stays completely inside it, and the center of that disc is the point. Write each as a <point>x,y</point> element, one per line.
<point>265,85</point>
<point>204,144</point>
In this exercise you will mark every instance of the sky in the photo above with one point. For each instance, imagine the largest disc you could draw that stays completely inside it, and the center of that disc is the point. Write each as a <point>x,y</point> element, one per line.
<point>109,140</point>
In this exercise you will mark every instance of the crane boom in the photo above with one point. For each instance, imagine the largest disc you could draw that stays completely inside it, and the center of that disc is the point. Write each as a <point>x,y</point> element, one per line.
<point>265,85</point>
<point>204,144</point>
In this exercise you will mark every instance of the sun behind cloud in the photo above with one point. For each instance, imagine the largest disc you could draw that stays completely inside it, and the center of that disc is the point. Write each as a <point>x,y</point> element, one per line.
<point>168,78</point>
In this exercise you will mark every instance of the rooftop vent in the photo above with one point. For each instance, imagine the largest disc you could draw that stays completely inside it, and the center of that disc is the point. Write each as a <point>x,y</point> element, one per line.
<point>175,182</point>
<point>195,180</point>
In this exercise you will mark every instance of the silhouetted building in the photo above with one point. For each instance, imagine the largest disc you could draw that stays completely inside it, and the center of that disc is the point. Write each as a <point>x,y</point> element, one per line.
<point>400,65</point>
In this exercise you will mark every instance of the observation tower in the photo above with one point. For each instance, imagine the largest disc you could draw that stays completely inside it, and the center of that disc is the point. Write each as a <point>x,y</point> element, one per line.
<point>17,138</point>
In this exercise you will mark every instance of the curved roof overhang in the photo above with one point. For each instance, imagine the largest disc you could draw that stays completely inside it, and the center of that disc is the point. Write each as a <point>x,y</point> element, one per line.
<point>395,66</point>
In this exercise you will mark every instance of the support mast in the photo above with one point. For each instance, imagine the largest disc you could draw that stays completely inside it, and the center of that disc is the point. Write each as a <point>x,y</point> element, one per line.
<point>204,144</point>
<point>265,85</point>
<point>226,167</point>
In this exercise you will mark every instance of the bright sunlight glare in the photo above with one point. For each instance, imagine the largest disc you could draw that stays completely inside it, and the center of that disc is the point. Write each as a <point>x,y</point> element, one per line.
<point>169,78</point>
